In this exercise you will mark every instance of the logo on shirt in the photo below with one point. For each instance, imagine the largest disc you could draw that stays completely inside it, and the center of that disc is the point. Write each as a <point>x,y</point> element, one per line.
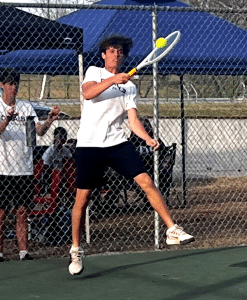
<point>16,118</point>
<point>119,88</point>
<point>116,87</point>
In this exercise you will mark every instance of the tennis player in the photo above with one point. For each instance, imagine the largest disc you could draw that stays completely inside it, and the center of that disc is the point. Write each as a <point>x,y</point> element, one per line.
<point>110,96</point>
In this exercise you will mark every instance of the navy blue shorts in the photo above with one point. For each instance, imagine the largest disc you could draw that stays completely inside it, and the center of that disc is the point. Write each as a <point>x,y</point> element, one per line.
<point>91,162</point>
<point>16,191</point>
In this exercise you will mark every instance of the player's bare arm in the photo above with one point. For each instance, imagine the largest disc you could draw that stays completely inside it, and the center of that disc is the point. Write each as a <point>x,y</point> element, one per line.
<point>93,89</point>
<point>10,116</point>
<point>137,127</point>
<point>52,116</point>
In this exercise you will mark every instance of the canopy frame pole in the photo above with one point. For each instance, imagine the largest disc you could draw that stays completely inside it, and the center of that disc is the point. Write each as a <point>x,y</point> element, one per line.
<point>43,87</point>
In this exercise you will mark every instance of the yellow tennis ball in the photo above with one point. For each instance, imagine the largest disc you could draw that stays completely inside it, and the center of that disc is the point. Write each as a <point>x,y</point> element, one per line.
<point>161,42</point>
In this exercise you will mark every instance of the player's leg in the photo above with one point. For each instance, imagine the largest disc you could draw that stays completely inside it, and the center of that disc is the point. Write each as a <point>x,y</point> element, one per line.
<point>4,208</point>
<point>175,234</point>
<point>90,170</point>
<point>89,174</point>
<point>126,161</point>
<point>155,198</point>
<point>2,219</point>
<point>78,223</point>
<point>78,215</point>
<point>22,228</point>
<point>23,200</point>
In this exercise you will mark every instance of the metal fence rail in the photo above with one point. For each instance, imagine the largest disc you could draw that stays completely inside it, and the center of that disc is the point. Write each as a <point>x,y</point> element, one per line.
<point>199,117</point>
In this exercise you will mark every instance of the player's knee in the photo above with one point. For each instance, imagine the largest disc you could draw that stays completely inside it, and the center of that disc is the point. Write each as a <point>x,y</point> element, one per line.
<point>145,182</point>
<point>80,204</point>
<point>21,213</point>
<point>82,199</point>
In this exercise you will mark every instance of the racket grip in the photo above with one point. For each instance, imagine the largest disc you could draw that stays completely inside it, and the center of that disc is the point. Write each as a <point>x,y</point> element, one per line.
<point>132,72</point>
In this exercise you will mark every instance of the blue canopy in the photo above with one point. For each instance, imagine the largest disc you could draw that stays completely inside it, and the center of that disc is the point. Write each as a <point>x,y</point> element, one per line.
<point>50,61</point>
<point>209,44</point>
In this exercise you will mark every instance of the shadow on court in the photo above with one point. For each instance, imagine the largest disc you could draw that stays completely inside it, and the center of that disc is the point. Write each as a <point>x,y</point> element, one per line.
<point>174,275</point>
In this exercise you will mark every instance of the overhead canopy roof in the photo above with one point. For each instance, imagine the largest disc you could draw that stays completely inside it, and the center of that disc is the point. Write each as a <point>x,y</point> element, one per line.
<point>209,44</point>
<point>51,61</point>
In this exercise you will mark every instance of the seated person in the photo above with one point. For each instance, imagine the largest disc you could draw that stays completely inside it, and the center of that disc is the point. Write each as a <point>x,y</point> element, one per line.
<point>54,158</point>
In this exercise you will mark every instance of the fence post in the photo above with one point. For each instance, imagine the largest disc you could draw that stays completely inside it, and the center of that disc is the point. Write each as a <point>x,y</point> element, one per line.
<point>80,62</point>
<point>156,123</point>
<point>183,138</point>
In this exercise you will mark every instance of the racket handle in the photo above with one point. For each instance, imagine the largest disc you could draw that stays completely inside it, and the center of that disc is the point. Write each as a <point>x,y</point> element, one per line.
<point>132,72</point>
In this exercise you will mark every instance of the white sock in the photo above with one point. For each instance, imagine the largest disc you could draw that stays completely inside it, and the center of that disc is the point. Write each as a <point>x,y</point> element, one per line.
<point>1,254</point>
<point>23,253</point>
<point>73,248</point>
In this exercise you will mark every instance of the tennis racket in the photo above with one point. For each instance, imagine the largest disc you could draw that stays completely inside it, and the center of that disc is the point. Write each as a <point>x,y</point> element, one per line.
<point>158,53</point>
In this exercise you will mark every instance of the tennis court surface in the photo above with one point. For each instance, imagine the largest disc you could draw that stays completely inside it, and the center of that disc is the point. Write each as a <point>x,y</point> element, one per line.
<point>174,275</point>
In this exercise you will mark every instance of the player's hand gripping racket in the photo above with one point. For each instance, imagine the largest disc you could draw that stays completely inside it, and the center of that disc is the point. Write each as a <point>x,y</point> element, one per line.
<point>163,47</point>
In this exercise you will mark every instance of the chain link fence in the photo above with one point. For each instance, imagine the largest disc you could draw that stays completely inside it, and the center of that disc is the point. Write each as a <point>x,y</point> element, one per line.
<point>198,115</point>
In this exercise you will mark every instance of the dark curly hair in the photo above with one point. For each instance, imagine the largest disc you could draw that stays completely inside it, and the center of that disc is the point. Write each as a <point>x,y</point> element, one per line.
<point>9,75</point>
<point>114,40</point>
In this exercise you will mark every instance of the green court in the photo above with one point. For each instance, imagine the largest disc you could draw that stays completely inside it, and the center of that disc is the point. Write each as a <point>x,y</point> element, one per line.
<point>174,275</point>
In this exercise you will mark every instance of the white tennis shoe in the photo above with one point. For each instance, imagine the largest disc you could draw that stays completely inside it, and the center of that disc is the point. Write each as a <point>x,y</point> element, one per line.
<point>176,235</point>
<point>76,265</point>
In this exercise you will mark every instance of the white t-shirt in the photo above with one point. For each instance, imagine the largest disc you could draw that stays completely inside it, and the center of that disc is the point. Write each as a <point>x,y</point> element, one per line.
<point>102,117</point>
<point>15,157</point>
<point>54,158</point>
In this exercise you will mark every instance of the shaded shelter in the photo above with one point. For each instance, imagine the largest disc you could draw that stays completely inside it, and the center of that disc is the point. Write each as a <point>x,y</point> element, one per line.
<point>209,44</point>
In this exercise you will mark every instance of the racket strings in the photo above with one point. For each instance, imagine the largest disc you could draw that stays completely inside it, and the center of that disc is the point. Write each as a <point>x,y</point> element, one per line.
<point>158,53</point>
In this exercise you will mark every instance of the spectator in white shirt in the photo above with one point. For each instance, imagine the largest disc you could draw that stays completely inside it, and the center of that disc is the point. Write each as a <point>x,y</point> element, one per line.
<point>16,158</point>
